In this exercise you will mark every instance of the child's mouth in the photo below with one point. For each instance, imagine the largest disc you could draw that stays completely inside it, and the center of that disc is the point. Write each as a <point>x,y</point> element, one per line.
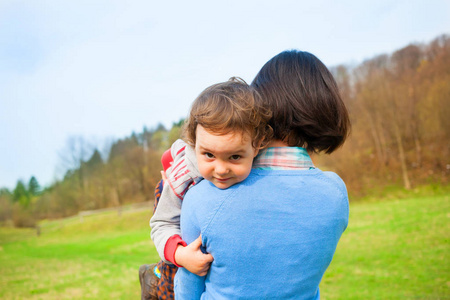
<point>222,179</point>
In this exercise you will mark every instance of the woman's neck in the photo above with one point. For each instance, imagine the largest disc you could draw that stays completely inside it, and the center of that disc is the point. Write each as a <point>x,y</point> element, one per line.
<point>278,143</point>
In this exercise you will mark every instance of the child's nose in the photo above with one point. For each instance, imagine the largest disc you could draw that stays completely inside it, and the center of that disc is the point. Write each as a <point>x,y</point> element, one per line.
<point>221,168</point>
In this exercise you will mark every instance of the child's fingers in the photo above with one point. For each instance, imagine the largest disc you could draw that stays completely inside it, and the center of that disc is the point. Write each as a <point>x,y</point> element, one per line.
<point>204,270</point>
<point>209,258</point>
<point>163,176</point>
<point>197,243</point>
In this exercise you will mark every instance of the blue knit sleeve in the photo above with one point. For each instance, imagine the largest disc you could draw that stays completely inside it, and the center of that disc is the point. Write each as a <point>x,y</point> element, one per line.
<point>186,284</point>
<point>340,185</point>
<point>338,181</point>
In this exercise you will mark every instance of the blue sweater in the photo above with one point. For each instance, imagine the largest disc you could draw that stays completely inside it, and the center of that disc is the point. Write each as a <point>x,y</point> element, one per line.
<point>272,236</point>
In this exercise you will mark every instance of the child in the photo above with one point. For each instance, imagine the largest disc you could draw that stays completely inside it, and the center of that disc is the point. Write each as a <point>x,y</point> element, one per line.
<point>226,128</point>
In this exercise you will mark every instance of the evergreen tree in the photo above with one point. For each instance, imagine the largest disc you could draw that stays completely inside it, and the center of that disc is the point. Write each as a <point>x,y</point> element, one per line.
<point>20,194</point>
<point>34,189</point>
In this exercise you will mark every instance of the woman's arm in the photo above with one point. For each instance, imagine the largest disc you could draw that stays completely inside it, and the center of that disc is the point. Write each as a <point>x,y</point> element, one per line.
<point>186,284</point>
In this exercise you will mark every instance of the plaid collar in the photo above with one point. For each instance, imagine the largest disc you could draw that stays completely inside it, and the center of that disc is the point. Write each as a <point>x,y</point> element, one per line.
<point>283,158</point>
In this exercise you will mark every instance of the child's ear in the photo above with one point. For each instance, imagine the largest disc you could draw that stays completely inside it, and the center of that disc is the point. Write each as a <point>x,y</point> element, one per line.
<point>257,148</point>
<point>262,143</point>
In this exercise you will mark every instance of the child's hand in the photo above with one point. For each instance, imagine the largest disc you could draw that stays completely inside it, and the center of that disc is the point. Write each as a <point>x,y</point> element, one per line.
<point>193,259</point>
<point>163,176</point>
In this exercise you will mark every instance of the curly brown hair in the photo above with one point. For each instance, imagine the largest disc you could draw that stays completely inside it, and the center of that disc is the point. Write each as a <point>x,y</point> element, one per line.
<point>228,107</point>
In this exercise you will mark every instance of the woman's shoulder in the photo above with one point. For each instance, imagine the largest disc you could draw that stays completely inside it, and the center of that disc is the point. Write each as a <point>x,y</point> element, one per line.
<point>336,181</point>
<point>204,190</point>
<point>335,177</point>
<point>315,179</point>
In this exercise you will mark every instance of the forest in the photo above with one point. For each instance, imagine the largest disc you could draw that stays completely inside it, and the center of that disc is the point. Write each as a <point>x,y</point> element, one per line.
<point>399,106</point>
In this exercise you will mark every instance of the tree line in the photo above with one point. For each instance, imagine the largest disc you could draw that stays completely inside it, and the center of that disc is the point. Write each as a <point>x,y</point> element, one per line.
<point>399,106</point>
<point>127,173</point>
<point>400,112</point>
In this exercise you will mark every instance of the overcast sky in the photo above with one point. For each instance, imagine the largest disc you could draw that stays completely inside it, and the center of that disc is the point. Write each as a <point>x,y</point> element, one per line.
<point>102,69</point>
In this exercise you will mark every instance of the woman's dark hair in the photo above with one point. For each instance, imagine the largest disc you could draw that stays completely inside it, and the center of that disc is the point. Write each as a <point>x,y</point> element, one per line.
<point>307,109</point>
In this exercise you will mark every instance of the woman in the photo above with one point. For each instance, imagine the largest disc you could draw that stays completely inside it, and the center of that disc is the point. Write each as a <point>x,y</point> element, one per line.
<point>274,234</point>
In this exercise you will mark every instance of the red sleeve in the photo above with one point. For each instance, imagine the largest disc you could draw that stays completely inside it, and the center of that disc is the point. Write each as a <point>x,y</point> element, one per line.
<point>167,159</point>
<point>171,246</point>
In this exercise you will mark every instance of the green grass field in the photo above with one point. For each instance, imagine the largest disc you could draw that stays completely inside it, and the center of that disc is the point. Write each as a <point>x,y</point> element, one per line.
<point>393,249</point>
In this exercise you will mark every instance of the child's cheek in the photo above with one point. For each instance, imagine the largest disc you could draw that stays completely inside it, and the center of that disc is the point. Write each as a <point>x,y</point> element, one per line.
<point>203,169</point>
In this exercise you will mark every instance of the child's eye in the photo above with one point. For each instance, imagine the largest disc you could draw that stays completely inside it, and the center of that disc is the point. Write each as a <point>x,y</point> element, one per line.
<point>209,155</point>
<point>235,157</point>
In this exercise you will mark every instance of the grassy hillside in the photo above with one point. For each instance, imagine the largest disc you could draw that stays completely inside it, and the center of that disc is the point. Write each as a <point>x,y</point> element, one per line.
<point>396,249</point>
<point>393,249</point>
<point>96,259</point>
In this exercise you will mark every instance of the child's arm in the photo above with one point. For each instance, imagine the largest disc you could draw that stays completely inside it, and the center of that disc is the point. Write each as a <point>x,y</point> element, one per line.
<point>166,233</point>
<point>165,222</point>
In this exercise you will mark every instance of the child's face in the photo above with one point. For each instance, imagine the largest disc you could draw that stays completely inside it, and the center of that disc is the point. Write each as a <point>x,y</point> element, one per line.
<point>226,159</point>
